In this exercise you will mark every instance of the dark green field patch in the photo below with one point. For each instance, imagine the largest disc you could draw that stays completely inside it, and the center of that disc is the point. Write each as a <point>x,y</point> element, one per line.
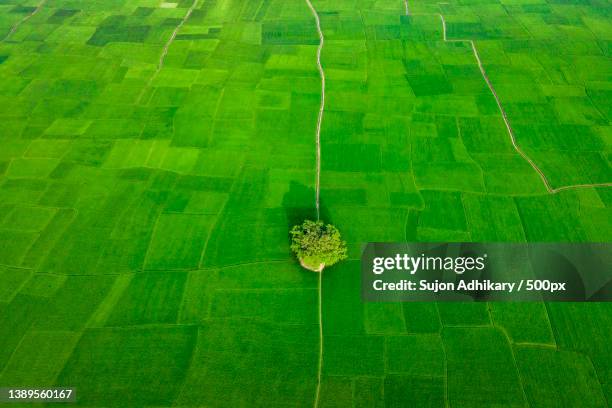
<point>43,285</point>
<point>568,318</point>
<point>424,85</point>
<point>65,12</point>
<point>288,32</point>
<point>14,245</point>
<point>421,317</point>
<point>264,305</point>
<point>368,392</point>
<point>550,218</point>
<point>178,241</point>
<point>28,218</point>
<point>141,366</point>
<point>39,359</point>
<point>464,314</point>
<point>344,311</point>
<point>416,355</point>
<point>481,369</point>
<point>245,236</point>
<point>16,318</point>
<point>11,280</point>
<point>420,391</point>
<point>336,392</point>
<point>384,318</point>
<point>494,219</point>
<point>444,210</point>
<point>352,158</point>
<point>524,322</point>
<point>150,298</point>
<point>74,302</point>
<point>567,378</point>
<point>354,355</point>
<point>117,32</point>
<point>233,359</point>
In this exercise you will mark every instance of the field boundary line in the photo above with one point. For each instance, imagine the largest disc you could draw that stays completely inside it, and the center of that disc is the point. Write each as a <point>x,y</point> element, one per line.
<point>23,20</point>
<point>192,358</point>
<point>502,111</point>
<point>103,312</point>
<point>318,189</point>
<point>439,333</point>
<point>153,231</point>
<point>597,375</point>
<point>162,57</point>
<point>536,345</point>
<point>512,347</point>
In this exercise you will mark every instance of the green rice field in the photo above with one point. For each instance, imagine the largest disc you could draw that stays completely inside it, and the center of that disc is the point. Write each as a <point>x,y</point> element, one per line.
<point>154,155</point>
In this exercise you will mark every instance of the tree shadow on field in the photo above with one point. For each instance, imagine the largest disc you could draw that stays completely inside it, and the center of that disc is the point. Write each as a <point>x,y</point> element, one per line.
<point>299,205</point>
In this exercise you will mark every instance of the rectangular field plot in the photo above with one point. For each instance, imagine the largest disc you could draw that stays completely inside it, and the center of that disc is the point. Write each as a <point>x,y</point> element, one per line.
<point>14,246</point>
<point>569,321</point>
<point>28,218</point>
<point>344,314</point>
<point>420,391</point>
<point>289,306</point>
<point>234,359</point>
<point>16,318</point>
<point>336,391</point>
<point>524,322</point>
<point>39,359</point>
<point>178,241</point>
<point>11,280</point>
<point>269,285</point>
<point>75,302</point>
<point>567,378</point>
<point>464,314</point>
<point>481,369</point>
<point>495,219</point>
<point>141,366</point>
<point>421,317</point>
<point>148,299</point>
<point>382,318</point>
<point>416,355</point>
<point>240,237</point>
<point>354,355</point>
<point>549,218</point>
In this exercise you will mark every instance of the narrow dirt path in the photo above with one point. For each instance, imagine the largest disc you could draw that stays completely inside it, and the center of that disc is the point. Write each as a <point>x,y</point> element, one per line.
<point>318,189</point>
<point>162,57</point>
<point>321,108</point>
<point>502,111</point>
<point>24,19</point>
<point>320,366</point>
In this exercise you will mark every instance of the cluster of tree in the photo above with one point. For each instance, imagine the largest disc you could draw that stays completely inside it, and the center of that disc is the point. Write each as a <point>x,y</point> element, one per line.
<point>317,245</point>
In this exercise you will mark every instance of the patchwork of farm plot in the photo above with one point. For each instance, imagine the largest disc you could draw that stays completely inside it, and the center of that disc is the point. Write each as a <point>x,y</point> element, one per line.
<point>155,154</point>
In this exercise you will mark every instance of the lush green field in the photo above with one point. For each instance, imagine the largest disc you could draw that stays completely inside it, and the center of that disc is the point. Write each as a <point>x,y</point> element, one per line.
<point>145,205</point>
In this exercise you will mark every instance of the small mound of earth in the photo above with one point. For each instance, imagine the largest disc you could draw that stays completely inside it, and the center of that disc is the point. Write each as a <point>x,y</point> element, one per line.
<point>312,268</point>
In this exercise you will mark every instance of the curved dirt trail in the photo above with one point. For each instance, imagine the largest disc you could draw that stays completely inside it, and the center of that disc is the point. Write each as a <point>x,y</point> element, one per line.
<point>317,190</point>
<point>162,57</point>
<point>321,107</point>
<point>24,19</point>
<point>502,111</point>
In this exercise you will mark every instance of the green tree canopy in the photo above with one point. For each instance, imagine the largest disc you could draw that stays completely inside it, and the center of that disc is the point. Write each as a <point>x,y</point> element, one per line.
<point>317,245</point>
